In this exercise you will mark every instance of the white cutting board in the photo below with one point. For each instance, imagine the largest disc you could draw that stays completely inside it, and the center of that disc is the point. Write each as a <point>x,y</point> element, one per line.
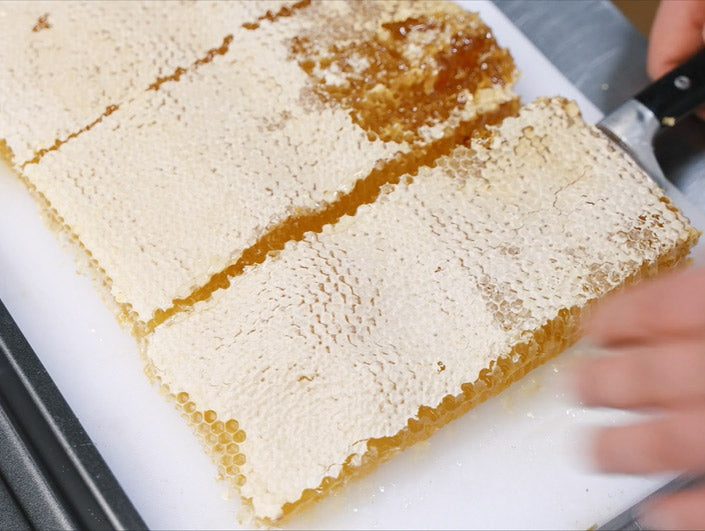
<point>511,463</point>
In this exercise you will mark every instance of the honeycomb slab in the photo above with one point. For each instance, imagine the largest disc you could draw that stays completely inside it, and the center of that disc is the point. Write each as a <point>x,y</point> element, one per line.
<point>173,185</point>
<point>65,63</point>
<point>352,334</point>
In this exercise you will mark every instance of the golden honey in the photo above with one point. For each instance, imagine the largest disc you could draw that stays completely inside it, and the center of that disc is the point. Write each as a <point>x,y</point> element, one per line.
<point>283,12</point>
<point>110,109</point>
<point>365,192</point>
<point>396,95</point>
<point>6,154</point>
<point>210,55</point>
<point>42,23</point>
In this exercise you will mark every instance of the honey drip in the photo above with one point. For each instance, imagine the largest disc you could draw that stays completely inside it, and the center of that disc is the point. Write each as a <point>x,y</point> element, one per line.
<point>364,192</point>
<point>283,12</point>
<point>412,74</point>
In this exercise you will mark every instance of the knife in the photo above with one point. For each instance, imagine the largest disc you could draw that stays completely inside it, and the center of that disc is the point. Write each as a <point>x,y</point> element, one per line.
<point>635,123</point>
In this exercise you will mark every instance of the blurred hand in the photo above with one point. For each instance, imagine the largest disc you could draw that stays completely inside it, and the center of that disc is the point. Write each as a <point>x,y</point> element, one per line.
<point>656,333</point>
<point>677,33</point>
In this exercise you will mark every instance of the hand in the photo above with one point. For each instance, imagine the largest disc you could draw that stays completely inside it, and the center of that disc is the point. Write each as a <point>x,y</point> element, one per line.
<point>677,33</point>
<point>656,333</point>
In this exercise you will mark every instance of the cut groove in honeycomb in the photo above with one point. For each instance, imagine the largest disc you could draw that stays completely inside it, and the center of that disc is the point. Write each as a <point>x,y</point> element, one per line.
<point>366,191</point>
<point>210,55</point>
<point>59,142</point>
<point>178,72</point>
<point>272,17</point>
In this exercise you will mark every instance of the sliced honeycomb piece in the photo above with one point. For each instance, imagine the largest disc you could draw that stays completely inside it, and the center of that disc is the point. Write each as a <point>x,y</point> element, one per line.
<point>62,64</point>
<point>174,185</point>
<point>366,337</point>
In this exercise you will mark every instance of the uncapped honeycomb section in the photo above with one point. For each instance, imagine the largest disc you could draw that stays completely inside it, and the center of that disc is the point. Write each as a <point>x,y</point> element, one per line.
<point>450,284</point>
<point>233,156</point>
<point>413,78</point>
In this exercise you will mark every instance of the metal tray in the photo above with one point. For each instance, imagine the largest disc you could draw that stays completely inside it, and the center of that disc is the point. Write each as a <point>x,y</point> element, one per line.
<point>51,475</point>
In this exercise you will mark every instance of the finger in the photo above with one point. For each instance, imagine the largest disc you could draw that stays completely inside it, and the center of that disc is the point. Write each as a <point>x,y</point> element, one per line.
<point>684,510</point>
<point>676,34</point>
<point>673,443</point>
<point>652,375</point>
<point>670,305</point>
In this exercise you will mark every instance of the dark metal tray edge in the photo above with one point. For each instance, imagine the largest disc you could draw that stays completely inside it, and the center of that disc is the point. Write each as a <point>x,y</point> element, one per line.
<point>51,474</point>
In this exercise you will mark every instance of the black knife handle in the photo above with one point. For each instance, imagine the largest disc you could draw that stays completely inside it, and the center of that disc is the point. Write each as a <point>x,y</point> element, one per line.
<point>678,93</point>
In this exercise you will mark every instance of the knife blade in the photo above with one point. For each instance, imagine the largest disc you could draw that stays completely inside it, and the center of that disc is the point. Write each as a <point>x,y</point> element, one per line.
<point>635,123</point>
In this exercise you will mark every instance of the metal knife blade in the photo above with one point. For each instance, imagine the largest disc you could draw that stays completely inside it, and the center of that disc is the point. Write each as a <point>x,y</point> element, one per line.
<point>634,124</point>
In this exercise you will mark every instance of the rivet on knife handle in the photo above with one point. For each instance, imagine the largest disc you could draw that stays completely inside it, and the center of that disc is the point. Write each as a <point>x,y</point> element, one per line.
<point>678,93</point>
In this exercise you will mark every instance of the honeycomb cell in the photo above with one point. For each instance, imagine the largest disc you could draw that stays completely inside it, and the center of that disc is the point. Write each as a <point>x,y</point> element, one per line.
<point>232,449</point>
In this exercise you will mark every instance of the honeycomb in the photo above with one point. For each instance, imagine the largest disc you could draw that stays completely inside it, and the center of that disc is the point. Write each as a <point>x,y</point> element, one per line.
<point>491,253</point>
<point>220,437</point>
<point>116,49</point>
<point>242,162</point>
<point>365,191</point>
<point>543,345</point>
<point>366,235</point>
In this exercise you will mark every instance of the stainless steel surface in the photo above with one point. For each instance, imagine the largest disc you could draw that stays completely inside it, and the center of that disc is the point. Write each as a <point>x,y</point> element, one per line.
<point>633,126</point>
<point>590,42</point>
<point>51,474</point>
<point>602,54</point>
